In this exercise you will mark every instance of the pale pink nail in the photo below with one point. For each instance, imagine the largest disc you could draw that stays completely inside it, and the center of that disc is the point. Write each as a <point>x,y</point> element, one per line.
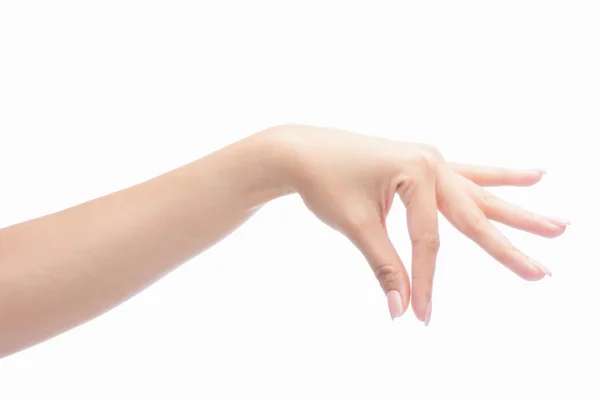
<point>558,221</point>
<point>543,171</point>
<point>541,267</point>
<point>428,313</point>
<point>395,304</point>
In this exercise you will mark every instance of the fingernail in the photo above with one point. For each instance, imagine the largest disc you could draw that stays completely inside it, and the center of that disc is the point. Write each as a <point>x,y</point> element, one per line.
<point>395,304</point>
<point>428,313</point>
<point>543,171</point>
<point>558,221</point>
<point>541,267</point>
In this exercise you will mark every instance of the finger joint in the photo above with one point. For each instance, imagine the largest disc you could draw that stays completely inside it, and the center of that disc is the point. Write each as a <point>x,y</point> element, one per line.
<point>429,241</point>
<point>387,275</point>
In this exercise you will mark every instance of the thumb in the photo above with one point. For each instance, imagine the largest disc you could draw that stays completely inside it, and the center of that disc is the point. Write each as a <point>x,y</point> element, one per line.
<point>372,239</point>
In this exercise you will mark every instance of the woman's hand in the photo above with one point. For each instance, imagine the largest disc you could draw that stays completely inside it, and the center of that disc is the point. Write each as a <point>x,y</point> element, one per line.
<point>62,269</point>
<point>65,268</point>
<point>349,181</point>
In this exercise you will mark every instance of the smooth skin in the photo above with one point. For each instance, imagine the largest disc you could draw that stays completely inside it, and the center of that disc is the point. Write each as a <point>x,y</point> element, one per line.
<point>63,269</point>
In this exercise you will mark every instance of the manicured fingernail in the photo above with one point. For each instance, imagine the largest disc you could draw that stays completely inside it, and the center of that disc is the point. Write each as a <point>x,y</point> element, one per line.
<point>543,171</point>
<point>541,267</point>
<point>428,313</point>
<point>395,304</point>
<point>558,221</point>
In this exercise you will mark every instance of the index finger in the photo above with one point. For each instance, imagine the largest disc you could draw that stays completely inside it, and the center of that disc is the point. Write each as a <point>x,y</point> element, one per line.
<point>419,197</point>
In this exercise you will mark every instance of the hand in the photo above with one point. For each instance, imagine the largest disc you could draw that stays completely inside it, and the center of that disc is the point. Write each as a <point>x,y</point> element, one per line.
<point>349,181</point>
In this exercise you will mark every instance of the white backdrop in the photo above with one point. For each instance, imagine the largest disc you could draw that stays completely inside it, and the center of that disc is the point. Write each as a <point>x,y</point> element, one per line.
<point>97,96</point>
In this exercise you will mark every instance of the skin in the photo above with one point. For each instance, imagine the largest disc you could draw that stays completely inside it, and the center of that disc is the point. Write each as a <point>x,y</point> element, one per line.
<point>63,269</point>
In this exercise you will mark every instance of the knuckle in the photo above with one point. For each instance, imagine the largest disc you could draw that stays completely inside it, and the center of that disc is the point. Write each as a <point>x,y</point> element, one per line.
<point>508,255</point>
<point>427,158</point>
<point>487,199</point>
<point>387,275</point>
<point>431,153</point>
<point>429,241</point>
<point>504,174</point>
<point>526,218</point>
<point>424,162</point>
<point>477,225</point>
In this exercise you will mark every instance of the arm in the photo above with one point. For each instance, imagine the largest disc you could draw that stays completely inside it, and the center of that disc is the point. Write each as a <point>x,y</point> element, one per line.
<point>60,270</point>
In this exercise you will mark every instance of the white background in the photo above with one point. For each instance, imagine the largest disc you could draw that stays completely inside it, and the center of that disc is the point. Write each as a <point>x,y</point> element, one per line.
<point>98,96</point>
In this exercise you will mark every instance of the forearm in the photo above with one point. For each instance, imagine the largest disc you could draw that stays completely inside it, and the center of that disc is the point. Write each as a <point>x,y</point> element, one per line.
<point>63,269</point>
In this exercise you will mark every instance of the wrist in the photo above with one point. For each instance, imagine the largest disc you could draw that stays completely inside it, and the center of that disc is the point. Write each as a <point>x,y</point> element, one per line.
<point>266,162</point>
<point>280,152</point>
